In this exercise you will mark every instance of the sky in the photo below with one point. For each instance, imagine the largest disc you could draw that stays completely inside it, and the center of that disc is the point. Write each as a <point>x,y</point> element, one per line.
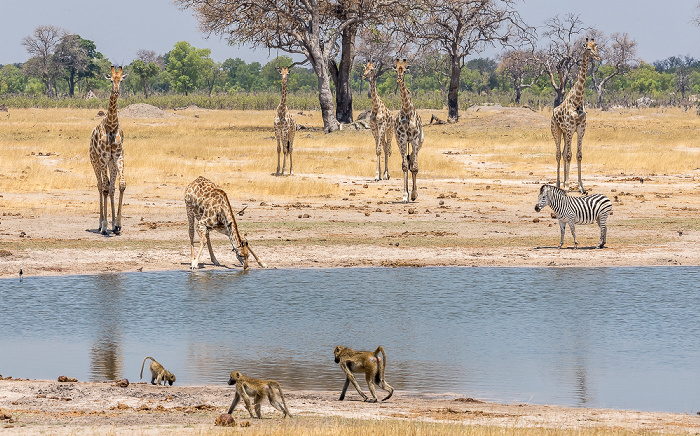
<point>121,28</point>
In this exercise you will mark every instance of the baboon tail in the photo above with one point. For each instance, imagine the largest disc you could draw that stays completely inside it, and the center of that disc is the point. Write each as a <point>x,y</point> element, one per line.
<point>381,361</point>
<point>142,364</point>
<point>284,403</point>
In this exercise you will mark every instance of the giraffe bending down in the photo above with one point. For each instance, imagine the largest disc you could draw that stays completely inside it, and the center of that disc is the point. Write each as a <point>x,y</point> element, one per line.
<point>409,130</point>
<point>569,118</point>
<point>381,122</point>
<point>106,153</point>
<point>208,206</point>
<point>285,128</point>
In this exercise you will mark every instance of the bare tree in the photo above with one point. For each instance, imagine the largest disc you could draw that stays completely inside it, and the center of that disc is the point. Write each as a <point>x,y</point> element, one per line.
<point>311,28</point>
<point>460,28</point>
<point>151,57</point>
<point>619,54</point>
<point>563,53</point>
<point>521,68</point>
<point>42,46</point>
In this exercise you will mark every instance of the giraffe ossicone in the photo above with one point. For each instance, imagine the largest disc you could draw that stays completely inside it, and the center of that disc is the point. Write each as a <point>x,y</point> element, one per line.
<point>208,208</point>
<point>569,118</point>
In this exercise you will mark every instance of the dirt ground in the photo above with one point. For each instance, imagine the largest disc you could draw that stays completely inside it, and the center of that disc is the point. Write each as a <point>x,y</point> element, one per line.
<point>485,218</point>
<point>49,407</point>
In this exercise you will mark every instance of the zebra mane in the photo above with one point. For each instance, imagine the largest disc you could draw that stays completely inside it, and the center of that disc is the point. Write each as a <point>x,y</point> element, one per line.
<point>553,188</point>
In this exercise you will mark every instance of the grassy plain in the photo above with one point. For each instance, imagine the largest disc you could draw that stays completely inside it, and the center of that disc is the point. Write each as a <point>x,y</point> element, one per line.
<point>478,184</point>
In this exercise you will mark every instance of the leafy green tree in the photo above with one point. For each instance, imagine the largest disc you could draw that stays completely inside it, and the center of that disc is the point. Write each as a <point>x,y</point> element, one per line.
<point>12,80</point>
<point>185,64</point>
<point>145,72</point>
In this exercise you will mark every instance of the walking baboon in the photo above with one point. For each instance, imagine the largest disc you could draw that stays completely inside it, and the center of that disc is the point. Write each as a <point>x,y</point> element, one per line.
<point>158,373</point>
<point>247,387</point>
<point>363,361</point>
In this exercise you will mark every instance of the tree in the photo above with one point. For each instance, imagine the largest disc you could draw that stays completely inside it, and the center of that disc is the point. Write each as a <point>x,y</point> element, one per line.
<point>185,65</point>
<point>145,72</point>
<point>42,46</point>
<point>11,80</point>
<point>681,67</point>
<point>73,55</point>
<point>308,27</point>
<point>563,54</point>
<point>460,28</point>
<point>521,69</point>
<point>618,54</point>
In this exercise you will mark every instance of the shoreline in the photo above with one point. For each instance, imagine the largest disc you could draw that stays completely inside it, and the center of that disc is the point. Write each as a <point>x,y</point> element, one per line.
<point>64,408</point>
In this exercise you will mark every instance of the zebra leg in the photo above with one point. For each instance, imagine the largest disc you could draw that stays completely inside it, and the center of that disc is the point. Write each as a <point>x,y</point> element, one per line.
<point>573,233</point>
<point>603,232</point>
<point>562,227</point>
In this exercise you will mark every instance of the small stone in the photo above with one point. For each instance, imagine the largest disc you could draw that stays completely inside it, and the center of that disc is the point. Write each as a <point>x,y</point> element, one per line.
<point>536,220</point>
<point>64,379</point>
<point>225,420</point>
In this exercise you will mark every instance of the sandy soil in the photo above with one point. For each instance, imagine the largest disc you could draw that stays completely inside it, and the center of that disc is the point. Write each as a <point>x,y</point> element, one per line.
<point>474,221</point>
<point>41,407</point>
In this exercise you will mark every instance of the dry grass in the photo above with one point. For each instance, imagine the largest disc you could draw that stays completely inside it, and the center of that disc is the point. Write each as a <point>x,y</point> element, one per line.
<point>237,149</point>
<point>352,427</point>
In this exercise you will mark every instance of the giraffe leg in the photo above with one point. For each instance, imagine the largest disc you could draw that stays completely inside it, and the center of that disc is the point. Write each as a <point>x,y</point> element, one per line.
<point>414,166</point>
<point>211,252</point>
<point>580,131</point>
<point>387,148</point>
<point>203,236</point>
<point>290,158</point>
<point>190,220</point>
<point>568,136</point>
<point>279,150</point>
<point>122,187</point>
<point>378,133</point>
<point>556,134</point>
<point>290,142</point>
<point>103,199</point>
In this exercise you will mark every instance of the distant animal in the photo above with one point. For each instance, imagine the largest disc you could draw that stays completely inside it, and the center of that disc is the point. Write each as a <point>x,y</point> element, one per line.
<point>576,210</point>
<point>158,373</point>
<point>367,362</point>
<point>20,274</point>
<point>285,127</point>
<point>247,387</point>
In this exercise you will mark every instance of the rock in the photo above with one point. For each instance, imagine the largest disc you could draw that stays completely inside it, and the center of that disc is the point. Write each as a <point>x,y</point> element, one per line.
<point>64,379</point>
<point>225,420</point>
<point>122,383</point>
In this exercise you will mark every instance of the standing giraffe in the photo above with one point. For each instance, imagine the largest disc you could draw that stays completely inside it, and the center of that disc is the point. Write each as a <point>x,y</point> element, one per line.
<point>106,153</point>
<point>569,118</point>
<point>209,207</point>
<point>285,127</point>
<point>381,123</point>
<point>409,130</point>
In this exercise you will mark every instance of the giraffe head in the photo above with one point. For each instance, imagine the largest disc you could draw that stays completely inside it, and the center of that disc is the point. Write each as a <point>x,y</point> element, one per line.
<point>401,68</point>
<point>284,72</point>
<point>242,253</point>
<point>591,49</point>
<point>116,77</point>
<point>369,70</point>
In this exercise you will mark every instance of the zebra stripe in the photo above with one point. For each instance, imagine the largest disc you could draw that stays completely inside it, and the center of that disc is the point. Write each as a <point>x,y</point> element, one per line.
<point>576,210</point>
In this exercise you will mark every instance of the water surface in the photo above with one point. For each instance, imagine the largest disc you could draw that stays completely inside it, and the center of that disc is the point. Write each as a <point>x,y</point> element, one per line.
<point>595,337</point>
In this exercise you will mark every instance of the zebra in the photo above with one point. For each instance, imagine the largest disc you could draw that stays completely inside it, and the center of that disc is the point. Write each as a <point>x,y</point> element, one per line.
<point>576,210</point>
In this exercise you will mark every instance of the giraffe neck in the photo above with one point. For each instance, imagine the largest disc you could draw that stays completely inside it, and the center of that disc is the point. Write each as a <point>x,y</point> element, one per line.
<point>232,219</point>
<point>406,102</point>
<point>373,92</point>
<point>576,93</point>
<point>111,121</point>
<point>283,102</point>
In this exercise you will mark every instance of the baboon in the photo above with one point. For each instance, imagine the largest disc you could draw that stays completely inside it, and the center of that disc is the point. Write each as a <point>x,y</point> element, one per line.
<point>158,373</point>
<point>258,389</point>
<point>363,361</point>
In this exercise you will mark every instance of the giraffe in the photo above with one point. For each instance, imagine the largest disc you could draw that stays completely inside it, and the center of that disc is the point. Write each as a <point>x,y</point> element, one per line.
<point>381,122</point>
<point>285,128</point>
<point>409,130</point>
<point>569,118</point>
<point>106,153</point>
<point>209,207</point>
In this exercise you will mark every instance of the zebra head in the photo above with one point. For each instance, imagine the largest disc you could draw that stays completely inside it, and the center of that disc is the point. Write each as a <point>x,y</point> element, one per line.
<point>543,199</point>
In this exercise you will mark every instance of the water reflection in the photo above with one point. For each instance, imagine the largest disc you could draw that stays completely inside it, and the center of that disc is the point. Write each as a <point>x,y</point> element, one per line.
<point>576,336</point>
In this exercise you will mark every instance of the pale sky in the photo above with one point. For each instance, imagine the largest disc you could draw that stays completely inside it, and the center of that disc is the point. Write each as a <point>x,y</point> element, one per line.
<point>121,28</point>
